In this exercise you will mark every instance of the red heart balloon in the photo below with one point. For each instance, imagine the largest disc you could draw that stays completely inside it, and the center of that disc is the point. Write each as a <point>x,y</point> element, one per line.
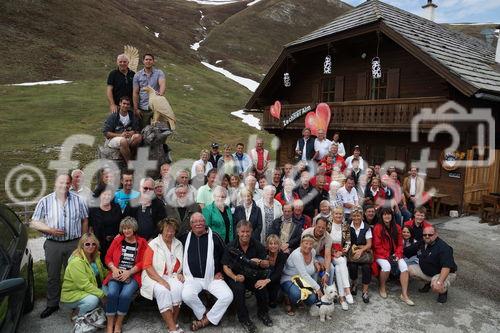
<point>318,119</point>
<point>275,110</point>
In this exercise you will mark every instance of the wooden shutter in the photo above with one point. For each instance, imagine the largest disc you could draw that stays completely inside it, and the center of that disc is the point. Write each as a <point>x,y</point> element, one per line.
<point>393,83</point>
<point>361,86</point>
<point>315,92</point>
<point>339,88</point>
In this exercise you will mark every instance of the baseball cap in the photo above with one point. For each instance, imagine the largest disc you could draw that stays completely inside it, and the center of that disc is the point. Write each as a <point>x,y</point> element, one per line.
<point>215,145</point>
<point>356,147</point>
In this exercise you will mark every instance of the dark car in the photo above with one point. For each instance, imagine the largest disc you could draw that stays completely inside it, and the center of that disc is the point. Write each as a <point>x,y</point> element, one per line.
<point>17,294</point>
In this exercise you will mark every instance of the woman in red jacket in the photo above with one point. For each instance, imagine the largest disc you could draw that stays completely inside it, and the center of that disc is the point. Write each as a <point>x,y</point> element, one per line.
<point>388,250</point>
<point>124,260</point>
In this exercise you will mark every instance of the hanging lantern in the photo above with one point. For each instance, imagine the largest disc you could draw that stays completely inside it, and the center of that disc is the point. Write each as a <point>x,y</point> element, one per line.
<point>286,80</point>
<point>327,65</point>
<point>376,70</point>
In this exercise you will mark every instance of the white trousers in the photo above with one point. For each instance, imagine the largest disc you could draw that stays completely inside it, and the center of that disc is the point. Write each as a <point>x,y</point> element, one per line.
<point>416,272</point>
<point>166,299</point>
<point>341,274</point>
<point>385,265</point>
<point>217,288</point>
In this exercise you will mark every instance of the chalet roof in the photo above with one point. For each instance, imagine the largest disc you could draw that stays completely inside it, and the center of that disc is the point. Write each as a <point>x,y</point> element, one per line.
<point>467,57</point>
<point>465,61</point>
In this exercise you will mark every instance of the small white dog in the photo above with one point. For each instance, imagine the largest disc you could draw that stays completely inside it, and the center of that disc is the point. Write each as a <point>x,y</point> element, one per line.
<point>324,308</point>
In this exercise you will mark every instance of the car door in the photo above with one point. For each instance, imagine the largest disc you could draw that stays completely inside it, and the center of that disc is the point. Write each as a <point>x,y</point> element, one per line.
<point>11,305</point>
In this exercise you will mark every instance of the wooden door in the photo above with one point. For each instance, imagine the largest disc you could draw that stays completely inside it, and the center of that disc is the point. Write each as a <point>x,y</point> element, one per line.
<point>480,180</point>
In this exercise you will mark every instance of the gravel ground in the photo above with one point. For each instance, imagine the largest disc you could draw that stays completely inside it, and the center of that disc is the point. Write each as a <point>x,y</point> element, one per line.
<point>473,301</point>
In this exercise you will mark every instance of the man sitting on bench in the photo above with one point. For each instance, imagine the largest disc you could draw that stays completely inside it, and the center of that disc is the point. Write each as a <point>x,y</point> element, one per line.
<point>121,130</point>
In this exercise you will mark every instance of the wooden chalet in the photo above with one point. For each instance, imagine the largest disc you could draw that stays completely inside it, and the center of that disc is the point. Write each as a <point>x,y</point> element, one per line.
<point>424,65</point>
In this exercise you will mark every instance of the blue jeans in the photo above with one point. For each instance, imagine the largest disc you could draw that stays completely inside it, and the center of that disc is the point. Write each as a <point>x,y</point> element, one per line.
<point>293,293</point>
<point>120,296</point>
<point>331,272</point>
<point>85,305</point>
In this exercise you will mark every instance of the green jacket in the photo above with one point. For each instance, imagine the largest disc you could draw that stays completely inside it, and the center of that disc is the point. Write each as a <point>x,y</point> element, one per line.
<point>215,221</point>
<point>79,279</point>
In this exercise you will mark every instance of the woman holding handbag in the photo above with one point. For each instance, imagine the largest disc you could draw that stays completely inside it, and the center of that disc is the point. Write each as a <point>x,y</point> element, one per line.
<point>388,252</point>
<point>360,254</point>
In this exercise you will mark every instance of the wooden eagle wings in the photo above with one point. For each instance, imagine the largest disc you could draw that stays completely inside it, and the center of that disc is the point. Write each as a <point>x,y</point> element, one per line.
<point>132,54</point>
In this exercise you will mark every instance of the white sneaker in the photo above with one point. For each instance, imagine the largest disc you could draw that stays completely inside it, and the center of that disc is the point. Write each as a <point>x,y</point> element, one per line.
<point>344,305</point>
<point>349,299</point>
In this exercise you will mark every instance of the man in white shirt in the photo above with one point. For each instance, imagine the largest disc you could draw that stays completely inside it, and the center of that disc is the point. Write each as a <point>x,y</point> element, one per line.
<point>413,187</point>
<point>356,153</point>
<point>349,197</point>
<point>321,145</point>
<point>77,186</point>
<point>336,139</point>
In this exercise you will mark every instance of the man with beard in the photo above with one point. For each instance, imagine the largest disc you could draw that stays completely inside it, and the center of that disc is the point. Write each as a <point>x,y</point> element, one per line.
<point>180,207</point>
<point>436,265</point>
<point>147,210</point>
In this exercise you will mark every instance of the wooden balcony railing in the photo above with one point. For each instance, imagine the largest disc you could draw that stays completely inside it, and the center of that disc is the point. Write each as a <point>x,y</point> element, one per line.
<point>376,115</point>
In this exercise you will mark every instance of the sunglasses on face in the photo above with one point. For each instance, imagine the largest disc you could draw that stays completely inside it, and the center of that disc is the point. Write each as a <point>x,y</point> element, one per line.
<point>148,188</point>
<point>90,244</point>
<point>427,235</point>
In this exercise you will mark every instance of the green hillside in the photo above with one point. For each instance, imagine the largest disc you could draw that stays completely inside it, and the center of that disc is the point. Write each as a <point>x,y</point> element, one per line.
<point>251,40</point>
<point>53,39</point>
<point>78,41</point>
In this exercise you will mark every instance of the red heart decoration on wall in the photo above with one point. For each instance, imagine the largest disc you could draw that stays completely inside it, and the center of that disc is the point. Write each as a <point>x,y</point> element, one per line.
<point>318,119</point>
<point>276,110</point>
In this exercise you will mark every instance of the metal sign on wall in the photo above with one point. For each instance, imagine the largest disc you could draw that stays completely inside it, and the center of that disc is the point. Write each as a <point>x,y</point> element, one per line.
<point>295,115</point>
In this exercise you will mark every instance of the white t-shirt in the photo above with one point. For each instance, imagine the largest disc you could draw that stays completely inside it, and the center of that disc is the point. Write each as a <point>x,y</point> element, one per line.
<point>348,162</point>
<point>336,233</point>
<point>125,120</point>
<point>348,197</point>
<point>322,147</point>
<point>304,150</point>
<point>413,186</point>
<point>368,234</point>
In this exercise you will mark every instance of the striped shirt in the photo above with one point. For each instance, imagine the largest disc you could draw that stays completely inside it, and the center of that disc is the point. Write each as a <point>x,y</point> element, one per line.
<point>67,216</point>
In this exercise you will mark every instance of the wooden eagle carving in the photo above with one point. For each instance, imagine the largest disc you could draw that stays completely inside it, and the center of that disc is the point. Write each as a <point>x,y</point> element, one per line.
<point>132,54</point>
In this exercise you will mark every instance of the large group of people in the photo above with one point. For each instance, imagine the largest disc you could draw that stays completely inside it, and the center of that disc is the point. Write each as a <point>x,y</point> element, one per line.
<point>232,225</point>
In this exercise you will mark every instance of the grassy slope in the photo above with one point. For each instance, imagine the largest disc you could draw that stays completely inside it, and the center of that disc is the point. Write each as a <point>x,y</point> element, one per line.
<point>75,40</point>
<point>250,41</point>
<point>46,115</point>
<point>80,42</point>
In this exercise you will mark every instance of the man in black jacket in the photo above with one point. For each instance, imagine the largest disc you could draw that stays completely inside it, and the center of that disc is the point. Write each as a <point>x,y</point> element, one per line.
<point>436,264</point>
<point>287,229</point>
<point>241,254</point>
<point>146,209</point>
